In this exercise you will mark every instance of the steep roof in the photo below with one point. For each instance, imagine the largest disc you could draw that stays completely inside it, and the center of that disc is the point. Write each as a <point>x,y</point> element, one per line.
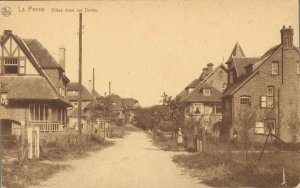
<point>241,62</point>
<point>194,83</point>
<point>197,94</point>
<point>235,87</point>
<point>236,52</point>
<point>129,103</point>
<point>85,94</point>
<point>29,88</point>
<point>36,64</point>
<point>115,102</point>
<point>41,54</point>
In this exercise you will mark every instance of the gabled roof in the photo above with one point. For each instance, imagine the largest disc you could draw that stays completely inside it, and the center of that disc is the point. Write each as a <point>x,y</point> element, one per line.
<point>36,64</point>
<point>85,94</point>
<point>29,88</point>
<point>235,87</point>
<point>212,72</point>
<point>194,83</point>
<point>129,103</point>
<point>241,62</point>
<point>115,102</point>
<point>236,52</point>
<point>197,94</point>
<point>41,54</point>
<point>96,94</point>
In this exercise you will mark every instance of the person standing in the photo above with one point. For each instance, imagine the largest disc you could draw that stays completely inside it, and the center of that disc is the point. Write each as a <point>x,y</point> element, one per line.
<point>180,137</point>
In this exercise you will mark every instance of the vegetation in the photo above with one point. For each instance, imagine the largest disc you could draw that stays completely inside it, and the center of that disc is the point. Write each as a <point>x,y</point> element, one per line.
<point>29,173</point>
<point>228,169</point>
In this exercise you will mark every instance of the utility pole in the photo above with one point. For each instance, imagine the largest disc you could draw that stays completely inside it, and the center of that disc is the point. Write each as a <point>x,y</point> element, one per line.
<point>80,78</point>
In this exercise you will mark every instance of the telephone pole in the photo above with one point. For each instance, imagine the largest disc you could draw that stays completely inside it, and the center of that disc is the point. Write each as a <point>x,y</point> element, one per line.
<point>80,77</point>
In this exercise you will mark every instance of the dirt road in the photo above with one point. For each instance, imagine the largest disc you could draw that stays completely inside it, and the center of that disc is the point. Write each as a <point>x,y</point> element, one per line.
<point>134,162</point>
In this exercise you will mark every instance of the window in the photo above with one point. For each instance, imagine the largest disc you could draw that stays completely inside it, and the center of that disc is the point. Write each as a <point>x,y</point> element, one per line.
<point>265,128</point>
<point>39,112</point>
<point>224,86</point>
<point>221,74</point>
<point>270,126</point>
<point>263,101</point>
<point>62,91</point>
<point>275,67</point>
<point>298,67</point>
<point>11,66</point>
<point>270,97</point>
<point>72,92</point>
<point>245,100</point>
<point>206,92</point>
<point>259,128</point>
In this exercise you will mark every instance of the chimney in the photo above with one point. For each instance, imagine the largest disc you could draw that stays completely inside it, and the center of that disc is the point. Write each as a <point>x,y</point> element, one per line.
<point>210,67</point>
<point>90,86</point>
<point>109,88</point>
<point>7,32</point>
<point>287,36</point>
<point>62,58</point>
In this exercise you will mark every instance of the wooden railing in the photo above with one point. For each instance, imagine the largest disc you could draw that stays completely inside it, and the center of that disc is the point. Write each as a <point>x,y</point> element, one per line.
<point>48,126</point>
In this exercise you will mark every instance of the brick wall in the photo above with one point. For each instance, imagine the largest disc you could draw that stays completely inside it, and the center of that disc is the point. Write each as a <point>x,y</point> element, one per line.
<point>285,95</point>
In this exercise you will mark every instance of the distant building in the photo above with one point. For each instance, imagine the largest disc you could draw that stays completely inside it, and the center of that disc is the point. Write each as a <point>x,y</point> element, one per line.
<point>203,96</point>
<point>87,98</point>
<point>269,86</point>
<point>129,106</point>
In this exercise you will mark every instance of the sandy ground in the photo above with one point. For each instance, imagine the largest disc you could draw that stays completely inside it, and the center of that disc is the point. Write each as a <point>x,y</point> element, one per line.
<point>134,162</point>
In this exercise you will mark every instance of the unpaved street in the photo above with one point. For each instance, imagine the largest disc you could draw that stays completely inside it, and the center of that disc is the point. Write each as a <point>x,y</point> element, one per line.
<point>134,162</point>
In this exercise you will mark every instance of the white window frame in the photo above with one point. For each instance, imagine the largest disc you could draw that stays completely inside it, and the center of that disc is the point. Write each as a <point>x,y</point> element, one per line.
<point>259,128</point>
<point>263,101</point>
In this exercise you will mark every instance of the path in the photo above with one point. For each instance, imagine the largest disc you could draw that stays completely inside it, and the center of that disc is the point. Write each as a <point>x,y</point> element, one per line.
<point>134,162</point>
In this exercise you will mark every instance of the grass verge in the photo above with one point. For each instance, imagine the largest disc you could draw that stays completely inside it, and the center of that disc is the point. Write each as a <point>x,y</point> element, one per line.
<point>231,170</point>
<point>29,173</point>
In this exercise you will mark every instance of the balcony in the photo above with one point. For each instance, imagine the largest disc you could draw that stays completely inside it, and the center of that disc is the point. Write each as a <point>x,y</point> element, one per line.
<point>48,126</point>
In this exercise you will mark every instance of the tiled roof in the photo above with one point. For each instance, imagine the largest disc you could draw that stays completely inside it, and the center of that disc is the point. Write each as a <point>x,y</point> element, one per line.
<point>233,88</point>
<point>194,83</point>
<point>85,94</point>
<point>197,94</point>
<point>241,62</point>
<point>115,99</point>
<point>129,103</point>
<point>41,54</point>
<point>29,88</point>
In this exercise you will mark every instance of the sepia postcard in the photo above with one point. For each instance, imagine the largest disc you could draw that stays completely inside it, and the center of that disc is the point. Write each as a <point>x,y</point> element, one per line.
<point>149,94</point>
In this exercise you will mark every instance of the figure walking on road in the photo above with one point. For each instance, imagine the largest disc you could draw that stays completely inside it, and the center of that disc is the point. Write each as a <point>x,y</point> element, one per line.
<point>180,137</point>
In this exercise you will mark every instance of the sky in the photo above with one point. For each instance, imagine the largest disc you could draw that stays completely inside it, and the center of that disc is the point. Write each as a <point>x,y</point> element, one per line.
<point>149,47</point>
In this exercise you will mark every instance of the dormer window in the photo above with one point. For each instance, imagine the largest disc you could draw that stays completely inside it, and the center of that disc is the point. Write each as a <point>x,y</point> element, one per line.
<point>231,77</point>
<point>206,92</point>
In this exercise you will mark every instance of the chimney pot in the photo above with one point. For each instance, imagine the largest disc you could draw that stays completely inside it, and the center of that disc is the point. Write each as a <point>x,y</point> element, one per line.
<point>6,32</point>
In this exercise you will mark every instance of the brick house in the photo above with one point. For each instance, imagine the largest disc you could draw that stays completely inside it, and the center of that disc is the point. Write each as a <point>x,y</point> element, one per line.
<point>266,89</point>
<point>203,96</point>
<point>32,87</point>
